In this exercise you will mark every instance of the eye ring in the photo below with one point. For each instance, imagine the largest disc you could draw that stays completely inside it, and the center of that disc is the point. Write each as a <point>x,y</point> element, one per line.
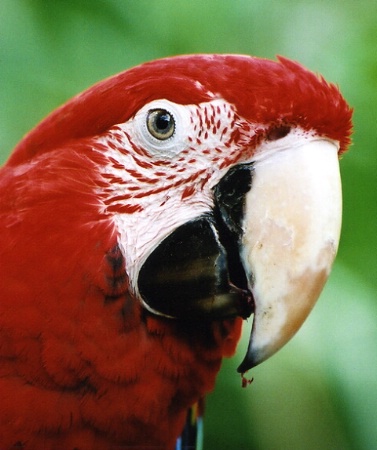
<point>160,123</point>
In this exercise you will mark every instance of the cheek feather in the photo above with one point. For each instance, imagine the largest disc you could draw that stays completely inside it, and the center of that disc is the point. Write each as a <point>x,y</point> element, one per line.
<point>154,194</point>
<point>132,171</point>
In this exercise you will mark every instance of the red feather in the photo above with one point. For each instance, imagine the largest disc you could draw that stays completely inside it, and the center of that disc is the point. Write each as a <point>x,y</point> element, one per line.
<point>262,91</point>
<point>82,364</point>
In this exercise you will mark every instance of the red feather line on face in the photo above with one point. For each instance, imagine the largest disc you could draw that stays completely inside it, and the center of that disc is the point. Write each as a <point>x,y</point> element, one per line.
<point>215,139</point>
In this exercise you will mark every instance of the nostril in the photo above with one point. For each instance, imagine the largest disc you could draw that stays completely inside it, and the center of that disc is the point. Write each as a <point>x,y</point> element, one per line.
<point>278,132</point>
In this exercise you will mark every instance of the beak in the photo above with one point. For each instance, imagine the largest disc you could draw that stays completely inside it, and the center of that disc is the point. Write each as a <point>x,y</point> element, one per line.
<point>291,230</point>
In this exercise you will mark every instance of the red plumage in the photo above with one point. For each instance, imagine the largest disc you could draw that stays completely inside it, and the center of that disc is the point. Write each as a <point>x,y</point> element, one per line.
<point>261,89</point>
<point>82,364</point>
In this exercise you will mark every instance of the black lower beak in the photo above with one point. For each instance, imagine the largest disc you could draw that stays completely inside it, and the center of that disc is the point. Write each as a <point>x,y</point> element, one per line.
<point>188,275</point>
<point>196,271</point>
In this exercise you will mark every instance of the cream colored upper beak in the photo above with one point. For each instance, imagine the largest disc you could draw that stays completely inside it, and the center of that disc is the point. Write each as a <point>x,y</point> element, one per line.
<point>291,233</point>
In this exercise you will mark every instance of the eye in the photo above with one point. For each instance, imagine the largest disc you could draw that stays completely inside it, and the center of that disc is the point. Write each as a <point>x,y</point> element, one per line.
<point>160,124</point>
<point>161,128</point>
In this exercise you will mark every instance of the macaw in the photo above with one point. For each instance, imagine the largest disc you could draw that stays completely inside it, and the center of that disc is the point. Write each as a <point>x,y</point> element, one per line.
<point>141,223</point>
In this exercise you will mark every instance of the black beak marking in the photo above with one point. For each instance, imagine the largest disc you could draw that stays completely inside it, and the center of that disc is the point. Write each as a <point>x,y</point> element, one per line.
<point>229,212</point>
<point>196,272</point>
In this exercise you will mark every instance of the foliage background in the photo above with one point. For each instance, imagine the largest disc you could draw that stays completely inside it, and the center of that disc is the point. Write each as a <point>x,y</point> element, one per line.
<point>320,391</point>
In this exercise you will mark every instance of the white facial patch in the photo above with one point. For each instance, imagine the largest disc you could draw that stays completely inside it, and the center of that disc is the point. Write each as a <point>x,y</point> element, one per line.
<point>156,185</point>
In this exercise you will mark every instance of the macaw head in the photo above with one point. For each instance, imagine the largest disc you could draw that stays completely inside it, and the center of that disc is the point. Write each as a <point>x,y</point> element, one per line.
<point>221,176</point>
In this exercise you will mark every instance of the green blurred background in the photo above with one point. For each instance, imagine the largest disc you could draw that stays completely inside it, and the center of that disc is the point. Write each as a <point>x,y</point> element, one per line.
<point>320,391</point>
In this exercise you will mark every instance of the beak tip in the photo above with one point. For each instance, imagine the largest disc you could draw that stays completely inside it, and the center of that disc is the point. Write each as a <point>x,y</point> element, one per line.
<point>252,358</point>
<point>244,367</point>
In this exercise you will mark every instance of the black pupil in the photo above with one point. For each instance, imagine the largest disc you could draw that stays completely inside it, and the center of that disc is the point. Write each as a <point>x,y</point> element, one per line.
<point>163,122</point>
